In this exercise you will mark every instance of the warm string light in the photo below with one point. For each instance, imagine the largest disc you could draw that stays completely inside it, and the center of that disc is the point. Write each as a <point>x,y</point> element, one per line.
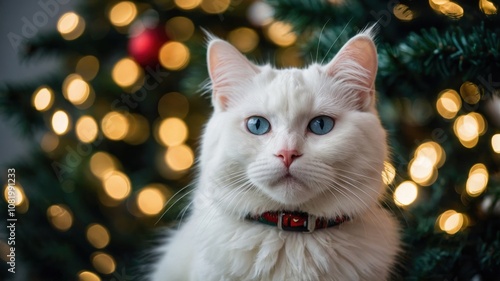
<point>467,129</point>
<point>103,263</point>
<point>86,129</point>
<point>20,199</point>
<point>152,198</point>
<point>115,125</point>
<point>477,180</point>
<point>180,28</point>
<point>244,39</point>
<point>174,55</point>
<point>123,13</point>
<point>406,193</point>
<point>495,143</point>
<point>77,91</point>
<point>85,275</point>
<point>172,132</point>
<point>451,221</point>
<point>127,73</point>
<point>428,157</point>
<point>43,98</point>
<point>470,92</point>
<point>60,217</point>
<point>138,129</point>
<point>87,67</point>
<point>448,8</point>
<point>215,6</point>
<point>98,235</point>
<point>102,163</point>
<point>49,142</point>
<point>487,7</point>
<point>173,105</point>
<point>179,158</point>
<point>403,12</point>
<point>61,122</point>
<point>281,34</point>
<point>117,185</point>
<point>448,103</point>
<point>71,26</point>
<point>187,4</point>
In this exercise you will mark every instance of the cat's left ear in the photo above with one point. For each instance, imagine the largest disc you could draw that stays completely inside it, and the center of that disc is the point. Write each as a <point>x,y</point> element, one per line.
<point>356,66</point>
<point>227,68</point>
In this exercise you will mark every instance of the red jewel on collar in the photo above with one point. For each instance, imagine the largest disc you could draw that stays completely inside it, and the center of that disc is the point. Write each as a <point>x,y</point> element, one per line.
<point>297,221</point>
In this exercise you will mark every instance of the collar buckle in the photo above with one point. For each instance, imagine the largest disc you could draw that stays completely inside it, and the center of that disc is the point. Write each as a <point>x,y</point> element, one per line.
<point>296,221</point>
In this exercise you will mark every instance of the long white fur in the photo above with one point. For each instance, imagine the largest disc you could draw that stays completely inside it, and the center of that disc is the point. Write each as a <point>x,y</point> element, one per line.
<point>337,173</point>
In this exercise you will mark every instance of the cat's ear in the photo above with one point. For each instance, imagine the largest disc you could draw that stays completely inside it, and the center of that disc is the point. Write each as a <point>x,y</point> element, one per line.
<point>227,68</point>
<point>355,66</point>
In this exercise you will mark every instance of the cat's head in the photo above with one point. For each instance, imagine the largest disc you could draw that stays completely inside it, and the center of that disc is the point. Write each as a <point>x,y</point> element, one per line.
<point>295,139</point>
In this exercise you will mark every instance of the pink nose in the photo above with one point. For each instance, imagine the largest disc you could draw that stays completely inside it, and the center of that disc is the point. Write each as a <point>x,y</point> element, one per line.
<point>287,156</point>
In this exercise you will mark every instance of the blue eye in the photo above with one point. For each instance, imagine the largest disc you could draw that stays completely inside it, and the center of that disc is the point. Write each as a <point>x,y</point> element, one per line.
<point>321,125</point>
<point>258,125</point>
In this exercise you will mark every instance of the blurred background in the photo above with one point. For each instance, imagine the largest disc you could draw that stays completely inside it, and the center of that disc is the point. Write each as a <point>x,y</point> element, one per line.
<point>102,107</point>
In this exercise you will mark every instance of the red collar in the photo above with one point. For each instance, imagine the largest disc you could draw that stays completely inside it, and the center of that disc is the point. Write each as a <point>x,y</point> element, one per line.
<point>297,221</point>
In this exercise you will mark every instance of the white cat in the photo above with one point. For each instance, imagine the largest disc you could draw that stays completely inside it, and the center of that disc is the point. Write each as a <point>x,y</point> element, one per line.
<point>290,175</point>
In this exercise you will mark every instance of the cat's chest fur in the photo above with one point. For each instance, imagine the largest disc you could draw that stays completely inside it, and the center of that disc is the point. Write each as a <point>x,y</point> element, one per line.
<point>227,249</point>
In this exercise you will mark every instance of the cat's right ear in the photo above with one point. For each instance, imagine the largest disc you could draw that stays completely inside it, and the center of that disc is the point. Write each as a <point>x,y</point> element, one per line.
<point>227,68</point>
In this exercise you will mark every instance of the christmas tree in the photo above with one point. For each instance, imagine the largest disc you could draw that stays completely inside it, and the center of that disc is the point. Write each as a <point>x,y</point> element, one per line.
<point>115,130</point>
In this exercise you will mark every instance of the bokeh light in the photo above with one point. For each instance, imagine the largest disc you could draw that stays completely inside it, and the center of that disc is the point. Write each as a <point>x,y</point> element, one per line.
<point>60,217</point>
<point>470,92</point>
<point>180,28</point>
<point>60,122</point>
<point>85,275</point>
<point>122,13</point>
<point>71,26</point>
<point>172,132</point>
<point>244,39</point>
<point>433,151</point>
<point>101,164</point>
<point>127,73</point>
<point>406,193</point>
<point>448,103</point>
<point>173,105</point>
<point>103,262</point>
<point>403,12</point>
<point>481,122</point>
<point>477,180</point>
<point>260,13</point>
<point>487,7</point>
<point>75,89</point>
<point>117,185</point>
<point>215,6</point>
<point>87,67</point>
<point>179,158</point>
<point>187,4</point>
<point>138,130</point>
<point>98,235</point>
<point>448,8</point>
<point>174,55</point>
<point>49,142</point>
<point>466,128</point>
<point>115,125</point>
<point>86,129</point>
<point>495,143</point>
<point>281,34</point>
<point>451,221</point>
<point>151,199</point>
<point>43,98</point>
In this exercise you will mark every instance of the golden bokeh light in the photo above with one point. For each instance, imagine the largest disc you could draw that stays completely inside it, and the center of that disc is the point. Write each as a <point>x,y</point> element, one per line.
<point>495,143</point>
<point>117,185</point>
<point>244,39</point>
<point>451,221</point>
<point>281,34</point>
<point>173,105</point>
<point>477,181</point>
<point>215,6</point>
<point>172,132</point>
<point>179,158</point>
<point>43,98</point>
<point>448,104</point>
<point>470,92</point>
<point>86,129</point>
<point>180,28</point>
<point>101,164</point>
<point>103,262</point>
<point>122,13</point>
<point>87,67</point>
<point>127,73</point>
<point>71,26</point>
<point>98,236</point>
<point>14,194</point>
<point>49,142</point>
<point>406,193</point>
<point>452,10</point>
<point>466,129</point>
<point>389,173</point>
<point>487,7</point>
<point>422,170</point>
<point>75,89</point>
<point>85,275</point>
<point>289,57</point>
<point>481,122</point>
<point>403,12</point>
<point>151,199</point>
<point>187,4</point>
<point>138,130</point>
<point>115,125</point>
<point>60,122</point>
<point>174,55</point>
<point>60,217</point>
<point>433,151</point>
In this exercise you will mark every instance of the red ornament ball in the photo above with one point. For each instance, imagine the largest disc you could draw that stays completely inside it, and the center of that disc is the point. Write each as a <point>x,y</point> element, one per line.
<point>144,46</point>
